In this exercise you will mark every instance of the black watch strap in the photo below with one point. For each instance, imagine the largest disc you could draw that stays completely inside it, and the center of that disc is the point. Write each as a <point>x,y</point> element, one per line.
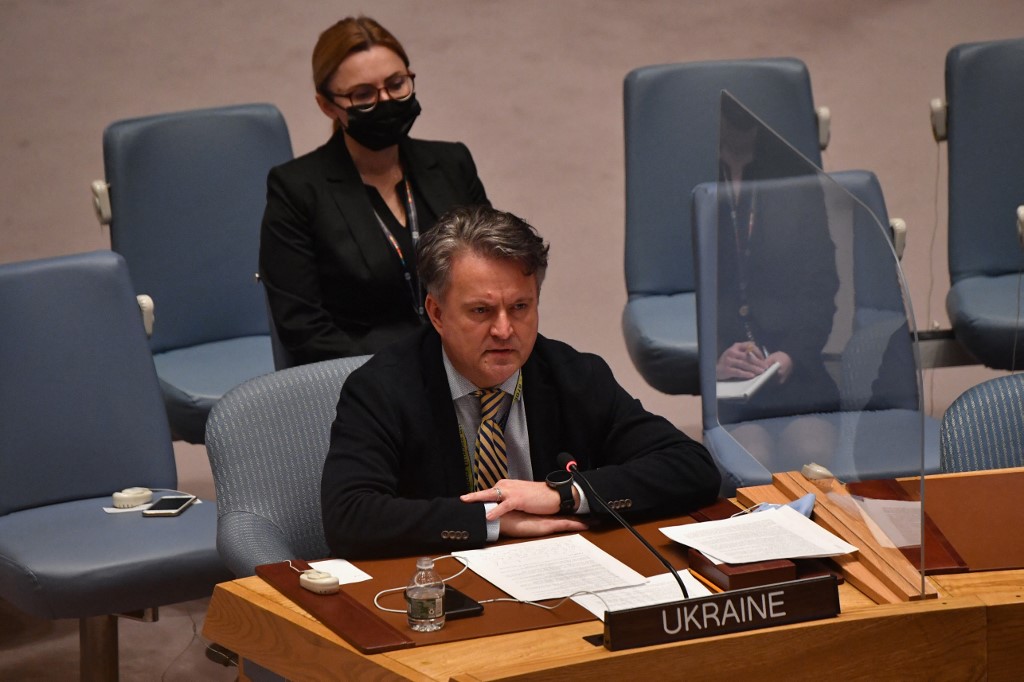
<point>561,481</point>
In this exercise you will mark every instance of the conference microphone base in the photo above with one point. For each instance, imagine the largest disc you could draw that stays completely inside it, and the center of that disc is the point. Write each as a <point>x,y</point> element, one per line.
<point>736,611</point>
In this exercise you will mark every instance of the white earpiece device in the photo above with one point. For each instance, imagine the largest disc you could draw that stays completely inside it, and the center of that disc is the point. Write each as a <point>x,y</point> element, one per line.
<point>132,497</point>
<point>318,582</point>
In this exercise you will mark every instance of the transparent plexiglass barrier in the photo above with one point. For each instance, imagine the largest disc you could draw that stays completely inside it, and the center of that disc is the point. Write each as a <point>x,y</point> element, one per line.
<point>813,361</point>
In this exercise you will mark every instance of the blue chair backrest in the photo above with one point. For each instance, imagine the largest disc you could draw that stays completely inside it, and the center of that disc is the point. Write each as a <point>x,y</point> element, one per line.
<point>267,440</point>
<point>984,427</point>
<point>187,193</point>
<point>871,291</point>
<point>82,411</point>
<point>671,129</point>
<point>986,157</point>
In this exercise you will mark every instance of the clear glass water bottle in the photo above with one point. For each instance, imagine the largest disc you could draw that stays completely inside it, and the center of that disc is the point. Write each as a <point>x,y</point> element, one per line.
<point>424,598</point>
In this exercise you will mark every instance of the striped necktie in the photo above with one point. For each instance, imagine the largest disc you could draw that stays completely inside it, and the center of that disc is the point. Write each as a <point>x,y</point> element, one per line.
<point>491,460</point>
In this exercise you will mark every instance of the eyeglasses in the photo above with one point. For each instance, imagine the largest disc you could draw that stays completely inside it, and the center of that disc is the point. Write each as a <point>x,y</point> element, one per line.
<point>364,97</point>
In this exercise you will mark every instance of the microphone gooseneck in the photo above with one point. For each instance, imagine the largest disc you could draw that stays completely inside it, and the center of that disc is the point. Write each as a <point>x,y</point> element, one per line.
<point>566,460</point>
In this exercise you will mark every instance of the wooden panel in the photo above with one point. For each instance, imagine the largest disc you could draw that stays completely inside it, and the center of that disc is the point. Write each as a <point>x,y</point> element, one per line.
<point>1005,634</point>
<point>981,515</point>
<point>937,640</point>
<point>346,616</point>
<point>940,555</point>
<point>281,637</point>
<point>886,563</point>
<point>853,569</point>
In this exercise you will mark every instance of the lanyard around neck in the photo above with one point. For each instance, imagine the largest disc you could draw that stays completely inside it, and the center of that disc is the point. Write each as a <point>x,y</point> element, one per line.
<point>412,218</point>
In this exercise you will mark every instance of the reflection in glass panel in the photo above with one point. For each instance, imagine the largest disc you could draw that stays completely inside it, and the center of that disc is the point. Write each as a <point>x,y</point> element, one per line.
<point>814,360</point>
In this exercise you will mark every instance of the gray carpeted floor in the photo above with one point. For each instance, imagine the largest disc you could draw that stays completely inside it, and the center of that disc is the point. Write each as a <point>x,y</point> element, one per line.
<point>533,87</point>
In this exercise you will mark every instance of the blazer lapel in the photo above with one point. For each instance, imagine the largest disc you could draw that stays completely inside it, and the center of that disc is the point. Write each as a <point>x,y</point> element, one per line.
<point>543,415</point>
<point>442,414</point>
<point>427,174</point>
<point>354,209</point>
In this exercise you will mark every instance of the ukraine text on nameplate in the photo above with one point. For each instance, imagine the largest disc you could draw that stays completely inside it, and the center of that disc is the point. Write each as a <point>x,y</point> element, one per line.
<point>758,607</point>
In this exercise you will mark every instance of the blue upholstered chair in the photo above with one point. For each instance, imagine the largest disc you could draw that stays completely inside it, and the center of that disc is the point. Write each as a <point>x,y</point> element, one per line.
<point>184,196</point>
<point>267,440</point>
<point>812,273</point>
<point>671,129</point>
<point>984,427</point>
<point>985,142</point>
<point>83,418</point>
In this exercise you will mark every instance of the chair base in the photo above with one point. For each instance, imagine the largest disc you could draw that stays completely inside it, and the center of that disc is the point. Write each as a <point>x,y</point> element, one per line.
<point>97,644</point>
<point>97,641</point>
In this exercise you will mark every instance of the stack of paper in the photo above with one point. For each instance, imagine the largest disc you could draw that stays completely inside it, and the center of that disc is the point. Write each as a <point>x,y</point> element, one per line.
<point>781,533</point>
<point>550,568</point>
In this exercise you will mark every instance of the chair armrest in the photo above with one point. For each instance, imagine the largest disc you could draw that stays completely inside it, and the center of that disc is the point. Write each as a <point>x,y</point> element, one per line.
<point>1020,225</point>
<point>146,307</point>
<point>824,116</point>
<point>101,201</point>
<point>898,230</point>
<point>246,540</point>
<point>939,114</point>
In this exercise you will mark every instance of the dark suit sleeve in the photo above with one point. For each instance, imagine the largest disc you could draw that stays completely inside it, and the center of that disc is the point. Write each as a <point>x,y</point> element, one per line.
<point>290,272</point>
<point>639,462</point>
<point>387,487</point>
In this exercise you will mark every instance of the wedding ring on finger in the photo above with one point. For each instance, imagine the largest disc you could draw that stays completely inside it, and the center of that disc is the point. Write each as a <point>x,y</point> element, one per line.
<point>497,491</point>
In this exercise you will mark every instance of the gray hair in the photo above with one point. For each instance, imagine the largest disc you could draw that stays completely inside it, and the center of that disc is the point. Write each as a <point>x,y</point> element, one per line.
<point>484,231</point>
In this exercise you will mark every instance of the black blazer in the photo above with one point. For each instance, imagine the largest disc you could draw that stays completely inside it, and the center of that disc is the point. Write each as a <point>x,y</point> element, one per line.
<point>792,280</point>
<point>395,467</point>
<point>334,284</point>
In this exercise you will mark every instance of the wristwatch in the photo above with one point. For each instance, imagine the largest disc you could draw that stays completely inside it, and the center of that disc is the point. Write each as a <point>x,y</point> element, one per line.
<point>561,480</point>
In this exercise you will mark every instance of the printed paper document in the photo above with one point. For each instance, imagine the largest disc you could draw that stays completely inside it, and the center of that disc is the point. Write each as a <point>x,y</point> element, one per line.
<point>549,568</point>
<point>781,533</point>
<point>343,570</point>
<point>659,589</point>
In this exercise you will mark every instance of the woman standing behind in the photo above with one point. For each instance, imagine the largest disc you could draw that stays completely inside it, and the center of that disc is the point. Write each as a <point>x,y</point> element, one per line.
<point>339,233</point>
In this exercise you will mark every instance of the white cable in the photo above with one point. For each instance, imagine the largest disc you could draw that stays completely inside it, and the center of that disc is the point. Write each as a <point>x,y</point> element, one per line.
<point>465,567</point>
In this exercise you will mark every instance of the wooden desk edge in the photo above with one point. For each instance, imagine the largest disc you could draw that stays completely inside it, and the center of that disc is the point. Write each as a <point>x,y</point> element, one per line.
<point>956,627</point>
<point>249,617</point>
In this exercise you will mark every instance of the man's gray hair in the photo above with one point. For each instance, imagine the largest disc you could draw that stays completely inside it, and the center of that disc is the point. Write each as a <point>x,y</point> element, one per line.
<point>484,231</point>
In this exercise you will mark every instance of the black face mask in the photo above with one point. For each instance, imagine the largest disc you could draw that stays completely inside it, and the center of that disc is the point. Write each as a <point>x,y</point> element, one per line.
<point>384,125</point>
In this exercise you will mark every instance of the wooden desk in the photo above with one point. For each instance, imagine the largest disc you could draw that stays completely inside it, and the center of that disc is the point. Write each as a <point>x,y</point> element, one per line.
<point>974,630</point>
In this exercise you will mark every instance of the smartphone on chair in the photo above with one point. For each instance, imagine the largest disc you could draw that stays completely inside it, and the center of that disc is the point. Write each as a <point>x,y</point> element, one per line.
<point>170,505</point>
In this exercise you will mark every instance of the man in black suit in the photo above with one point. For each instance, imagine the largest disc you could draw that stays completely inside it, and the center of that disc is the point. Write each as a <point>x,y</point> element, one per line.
<point>411,469</point>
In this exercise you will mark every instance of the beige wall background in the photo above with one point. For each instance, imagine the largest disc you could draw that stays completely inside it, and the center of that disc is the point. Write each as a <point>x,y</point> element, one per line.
<point>534,88</point>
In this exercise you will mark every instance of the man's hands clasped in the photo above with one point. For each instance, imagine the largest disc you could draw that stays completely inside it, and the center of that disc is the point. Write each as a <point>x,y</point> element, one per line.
<point>526,508</point>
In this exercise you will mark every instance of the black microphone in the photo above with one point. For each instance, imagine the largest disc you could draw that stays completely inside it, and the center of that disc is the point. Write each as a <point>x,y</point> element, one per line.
<point>566,460</point>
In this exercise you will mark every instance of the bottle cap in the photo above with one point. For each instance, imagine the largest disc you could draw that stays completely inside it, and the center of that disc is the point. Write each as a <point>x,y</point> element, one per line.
<point>424,563</point>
